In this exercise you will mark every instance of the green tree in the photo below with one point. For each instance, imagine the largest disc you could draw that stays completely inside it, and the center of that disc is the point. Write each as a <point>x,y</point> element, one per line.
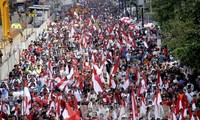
<point>180,23</point>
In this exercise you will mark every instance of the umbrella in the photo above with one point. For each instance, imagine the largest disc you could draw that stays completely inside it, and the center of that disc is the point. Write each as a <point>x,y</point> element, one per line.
<point>149,25</point>
<point>126,20</point>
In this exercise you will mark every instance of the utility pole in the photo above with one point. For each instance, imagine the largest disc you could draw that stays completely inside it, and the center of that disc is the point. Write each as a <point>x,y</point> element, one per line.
<point>142,16</point>
<point>125,6</point>
<point>151,10</point>
<point>122,6</point>
<point>137,11</point>
<point>119,6</point>
<point>141,4</point>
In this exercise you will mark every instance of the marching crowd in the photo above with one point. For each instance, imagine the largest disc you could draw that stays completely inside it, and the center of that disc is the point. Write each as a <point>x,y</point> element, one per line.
<point>95,64</point>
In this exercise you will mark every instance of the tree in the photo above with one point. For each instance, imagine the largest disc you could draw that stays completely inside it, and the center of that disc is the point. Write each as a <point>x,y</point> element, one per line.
<point>180,23</point>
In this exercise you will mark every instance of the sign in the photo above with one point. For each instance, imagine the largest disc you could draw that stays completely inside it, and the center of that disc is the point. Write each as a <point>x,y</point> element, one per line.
<point>39,15</point>
<point>16,26</point>
<point>32,15</point>
<point>21,1</point>
<point>140,2</point>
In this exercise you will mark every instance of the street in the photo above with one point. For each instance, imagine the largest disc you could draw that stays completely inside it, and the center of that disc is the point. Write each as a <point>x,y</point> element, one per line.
<point>99,63</point>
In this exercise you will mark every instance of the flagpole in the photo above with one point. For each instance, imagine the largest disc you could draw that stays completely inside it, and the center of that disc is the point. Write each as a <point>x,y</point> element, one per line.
<point>23,112</point>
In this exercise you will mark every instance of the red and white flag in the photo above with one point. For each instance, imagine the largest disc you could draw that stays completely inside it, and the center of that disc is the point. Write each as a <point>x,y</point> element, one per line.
<point>27,99</point>
<point>97,84</point>
<point>133,26</point>
<point>126,83</point>
<point>71,73</point>
<point>72,31</point>
<point>158,97</point>
<point>126,20</point>
<point>119,44</point>
<point>137,76</point>
<point>58,108</point>
<point>116,66</point>
<point>63,85</point>
<point>134,106</point>
<point>65,114</point>
<point>84,42</point>
<point>174,113</point>
<point>89,22</point>
<point>70,114</point>
<point>157,105</point>
<point>113,72</point>
<point>159,80</point>
<point>145,44</point>
<point>124,34</point>
<point>143,106</point>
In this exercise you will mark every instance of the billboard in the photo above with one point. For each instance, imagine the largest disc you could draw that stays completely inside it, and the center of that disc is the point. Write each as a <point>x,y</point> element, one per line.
<point>21,1</point>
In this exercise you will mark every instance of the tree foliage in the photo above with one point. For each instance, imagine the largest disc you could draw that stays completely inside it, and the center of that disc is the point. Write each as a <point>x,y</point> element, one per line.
<point>180,23</point>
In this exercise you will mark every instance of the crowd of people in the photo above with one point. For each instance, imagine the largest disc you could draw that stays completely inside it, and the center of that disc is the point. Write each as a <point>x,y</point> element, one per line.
<point>96,64</point>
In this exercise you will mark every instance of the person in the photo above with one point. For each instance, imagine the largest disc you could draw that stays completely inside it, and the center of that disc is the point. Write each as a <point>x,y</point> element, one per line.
<point>98,83</point>
<point>1,57</point>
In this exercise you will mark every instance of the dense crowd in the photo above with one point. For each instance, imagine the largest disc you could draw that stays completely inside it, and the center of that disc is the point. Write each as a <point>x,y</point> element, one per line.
<point>96,64</point>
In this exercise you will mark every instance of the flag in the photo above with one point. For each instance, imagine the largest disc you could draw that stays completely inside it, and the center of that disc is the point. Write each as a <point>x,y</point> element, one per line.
<point>122,112</point>
<point>124,34</point>
<point>127,43</point>
<point>158,97</point>
<point>65,114</point>
<point>143,106</point>
<point>145,44</point>
<point>137,77</point>
<point>50,69</point>
<point>133,26</point>
<point>117,97</point>
<point>89,22</point>
<point>112,30</point>
<point>159,79</point>
<point>93,58</point>
<point>99,70</point>
<point>157,106</point>
<point>116,66</point>
<point>97,85</point>
<point>75,116</point>
<point>134,106</point>
<point>119,44</point>
<point>72,114</point>
<point>126,20</point>
<point>58,108</point>
<point>143,87</point>
<point>84,42</point>
<point>69,110</point>
<point>173,113</point>
<point>131,39</point>
<point>69,76</point>
<point>112,82</point>
<point>113,72</point>
<point>72,32</point>
<point>27,98</point>
<point>126,83</point>
<point>181,102</point>
<point>63,85</point>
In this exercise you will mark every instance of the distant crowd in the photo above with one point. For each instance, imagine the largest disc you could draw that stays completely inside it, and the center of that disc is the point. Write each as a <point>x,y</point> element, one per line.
<point>98,64</point>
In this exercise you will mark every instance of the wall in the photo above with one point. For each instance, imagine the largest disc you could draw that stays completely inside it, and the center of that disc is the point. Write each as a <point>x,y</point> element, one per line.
<point>14,55</point>
<point>67,2</point>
